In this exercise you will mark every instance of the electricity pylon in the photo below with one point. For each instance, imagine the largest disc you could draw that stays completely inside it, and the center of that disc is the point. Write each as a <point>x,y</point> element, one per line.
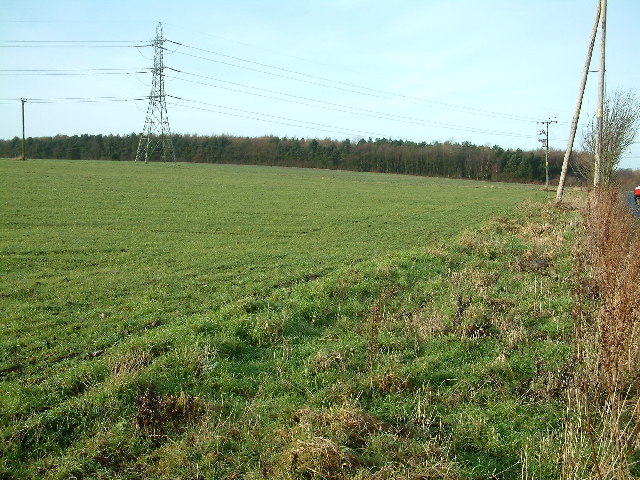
<point>156,131</point>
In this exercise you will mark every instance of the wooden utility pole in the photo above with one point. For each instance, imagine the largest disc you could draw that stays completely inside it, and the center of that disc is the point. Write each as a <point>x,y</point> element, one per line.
<point>24,156</point>
<point>545,144</point>
<point>576,115</point>
<point>599,118</point>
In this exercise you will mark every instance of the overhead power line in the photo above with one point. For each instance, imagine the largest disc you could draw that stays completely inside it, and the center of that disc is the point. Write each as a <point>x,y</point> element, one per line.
<point>71,72</point>
<point>253,66</point>
<point>73,100</point>
<point>268,115</point>
<point>354,110</point>
<point>74,43</point>
<point>277,52</point>
<point>309,82</point>
<point>289,122</point>
<point>340,85</point>
<point>332,127</point>
<point>311,60</point>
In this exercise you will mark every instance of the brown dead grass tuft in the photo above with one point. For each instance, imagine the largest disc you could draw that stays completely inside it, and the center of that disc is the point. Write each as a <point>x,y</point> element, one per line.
<point>319,458</point>
<point>392,381</point>
<point>347,423</point>
<point>158,415</point>
<point>326,360</point>
<point>129,361</point>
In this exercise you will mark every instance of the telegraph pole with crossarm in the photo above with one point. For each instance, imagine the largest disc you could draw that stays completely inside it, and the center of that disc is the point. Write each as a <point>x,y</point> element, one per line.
<point>545,144</point>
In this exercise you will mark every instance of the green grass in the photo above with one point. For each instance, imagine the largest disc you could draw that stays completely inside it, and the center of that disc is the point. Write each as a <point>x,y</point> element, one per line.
<point>177,320</point>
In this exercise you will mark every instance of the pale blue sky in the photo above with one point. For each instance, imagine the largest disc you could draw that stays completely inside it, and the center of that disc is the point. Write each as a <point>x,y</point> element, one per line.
<point>481,71</point>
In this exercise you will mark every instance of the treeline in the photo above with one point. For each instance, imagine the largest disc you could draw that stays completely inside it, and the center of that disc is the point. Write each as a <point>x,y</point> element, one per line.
<point>446,159</point>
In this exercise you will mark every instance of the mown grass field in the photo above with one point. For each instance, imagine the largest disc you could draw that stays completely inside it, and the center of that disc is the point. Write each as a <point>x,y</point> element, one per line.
<point>201,321</point>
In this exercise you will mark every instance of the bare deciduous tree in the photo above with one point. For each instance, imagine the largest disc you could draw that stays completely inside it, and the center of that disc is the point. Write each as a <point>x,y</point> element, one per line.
<point>620,123</point>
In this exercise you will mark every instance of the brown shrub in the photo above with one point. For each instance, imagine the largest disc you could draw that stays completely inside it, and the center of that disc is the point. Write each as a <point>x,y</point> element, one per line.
<point>603,414</point>
<point>612,258</point>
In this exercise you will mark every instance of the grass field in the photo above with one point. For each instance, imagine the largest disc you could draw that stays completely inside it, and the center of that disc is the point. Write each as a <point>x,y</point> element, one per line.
<point>201,321</point>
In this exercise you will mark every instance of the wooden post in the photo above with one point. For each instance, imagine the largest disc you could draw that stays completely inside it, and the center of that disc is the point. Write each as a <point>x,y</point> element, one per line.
<point>576,115</point>
<point>597,175</point>
<point>24,156</point>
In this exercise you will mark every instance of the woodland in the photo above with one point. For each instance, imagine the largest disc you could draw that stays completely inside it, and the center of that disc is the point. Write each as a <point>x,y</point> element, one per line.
<point>437,159</point>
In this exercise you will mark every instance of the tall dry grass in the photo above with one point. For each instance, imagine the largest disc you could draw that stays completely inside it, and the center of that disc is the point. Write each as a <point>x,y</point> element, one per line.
<point>603,414</point>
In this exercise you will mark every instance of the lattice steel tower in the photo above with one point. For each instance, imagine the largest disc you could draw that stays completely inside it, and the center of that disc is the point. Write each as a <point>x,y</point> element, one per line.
<point>156,132</point>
